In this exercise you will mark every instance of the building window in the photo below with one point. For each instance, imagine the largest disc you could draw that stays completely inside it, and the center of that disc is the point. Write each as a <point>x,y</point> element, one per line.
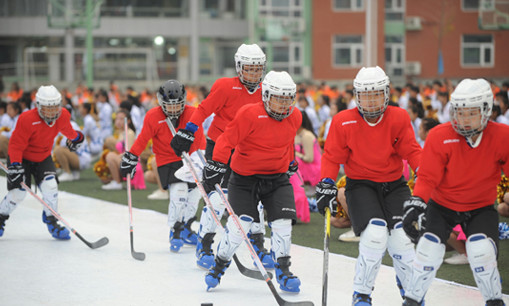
<point>470,5</point>
<point>394,10</point>
<point>347,50</point>
<point>477,50</point>
<point>348,5</point>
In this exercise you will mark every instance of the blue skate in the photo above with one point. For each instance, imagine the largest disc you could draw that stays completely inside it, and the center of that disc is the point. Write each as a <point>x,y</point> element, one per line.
<point>360,299</point>
<point>2,223</point>
<point>204,253</point>
<point>257,241</point>
<point>286,280</point>
<point>176,242</point>
<point>55,229</point>
<point>188,235</point>
<point>213,277</point>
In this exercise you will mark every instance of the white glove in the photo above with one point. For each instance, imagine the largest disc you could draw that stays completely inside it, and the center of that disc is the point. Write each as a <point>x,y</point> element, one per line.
<point>184,173</point>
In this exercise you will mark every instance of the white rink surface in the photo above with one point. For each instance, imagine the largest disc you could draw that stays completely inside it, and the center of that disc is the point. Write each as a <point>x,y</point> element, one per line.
<point>36,269</point>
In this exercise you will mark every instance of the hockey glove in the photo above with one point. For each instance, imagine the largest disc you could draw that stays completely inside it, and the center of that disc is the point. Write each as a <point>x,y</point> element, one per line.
<point>414,218</point>
<point>184,138</point>
<point>213,173</point>
<point>75,144</point>
<point>15,175</point>
<point>326,192</point>
<point>128,164</point>
<point>293,168</point>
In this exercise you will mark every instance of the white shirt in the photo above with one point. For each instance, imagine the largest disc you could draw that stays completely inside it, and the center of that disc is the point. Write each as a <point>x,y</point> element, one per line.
<point>443,113</point>
<point>93,132</point>
<point>105,120</point>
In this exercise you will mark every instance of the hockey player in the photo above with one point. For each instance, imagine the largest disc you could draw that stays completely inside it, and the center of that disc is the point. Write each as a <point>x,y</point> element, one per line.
<point>262,135</point>
<point>375,186</point>
<point>184,197</point>
<point>226,97</point>
<point>30,155</point>
<point>459,172</point>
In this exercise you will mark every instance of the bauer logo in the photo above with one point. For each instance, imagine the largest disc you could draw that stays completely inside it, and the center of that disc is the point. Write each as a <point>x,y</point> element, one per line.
<point>349,122</point>
<point>479,269</point>
<point>428,268</point>
<point>396,256</point>
<point>451,141</point>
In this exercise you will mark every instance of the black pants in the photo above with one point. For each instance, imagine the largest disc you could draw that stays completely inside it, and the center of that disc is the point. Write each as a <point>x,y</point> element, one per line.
<point>38,170</point>
<point>367,199</point>
<point>274,191</point>
<point>441,220</point>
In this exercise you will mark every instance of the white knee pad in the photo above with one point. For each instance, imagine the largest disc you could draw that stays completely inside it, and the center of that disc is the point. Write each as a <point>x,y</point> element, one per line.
<point>372,246</point>
<point>49,190</point>
<point>429,255</point>
<point>193,197</point>
<point>10,201</point>
<point>281,238</point>
<point>402,253</point>
<point>207,222</point>
<point>233,237</point>
<point>178,199</point>
<point>482,256</point>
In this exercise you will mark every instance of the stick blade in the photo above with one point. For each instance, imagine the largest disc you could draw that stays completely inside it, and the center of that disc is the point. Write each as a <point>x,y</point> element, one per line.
<point>248,272</point>
<point>99,243</point>
<point>138,255</point>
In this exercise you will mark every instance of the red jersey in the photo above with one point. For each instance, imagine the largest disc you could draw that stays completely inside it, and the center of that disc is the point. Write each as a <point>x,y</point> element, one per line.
<point>262,144</point>
<point>368,152</point>
<point>226,97</point>
<point>32,138</point>
<point>460,177</point>
<point>156,128</point>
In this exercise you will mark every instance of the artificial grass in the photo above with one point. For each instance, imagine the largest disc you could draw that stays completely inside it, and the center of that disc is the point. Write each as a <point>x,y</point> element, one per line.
<point>310,234</point>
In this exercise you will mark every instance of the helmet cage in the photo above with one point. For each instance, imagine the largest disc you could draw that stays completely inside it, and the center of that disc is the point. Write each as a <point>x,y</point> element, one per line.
<point>464,103</point>
<point>369,91</point>
<point>244,60</point>
<point>175,97</point>
<point>274,98</point>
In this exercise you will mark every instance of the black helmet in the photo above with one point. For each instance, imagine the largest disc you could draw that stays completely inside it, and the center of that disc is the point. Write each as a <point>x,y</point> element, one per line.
<point>172,93</point>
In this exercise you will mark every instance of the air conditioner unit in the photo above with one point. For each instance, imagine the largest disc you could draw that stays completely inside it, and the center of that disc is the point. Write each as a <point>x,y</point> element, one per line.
<point>413,68</point>
<point>413,23</point>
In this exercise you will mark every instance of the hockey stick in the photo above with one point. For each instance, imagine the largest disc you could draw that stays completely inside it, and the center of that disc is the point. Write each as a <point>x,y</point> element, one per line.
<point>326,239</point>
<point>93,245</point>
<point>259,264</point>
<point>185,156</point>
<point>136,255</point>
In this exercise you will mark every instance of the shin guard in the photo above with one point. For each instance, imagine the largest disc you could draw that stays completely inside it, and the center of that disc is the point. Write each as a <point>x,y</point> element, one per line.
<point>372,246</point>
<point>482,256</point>
<point>429,255</point>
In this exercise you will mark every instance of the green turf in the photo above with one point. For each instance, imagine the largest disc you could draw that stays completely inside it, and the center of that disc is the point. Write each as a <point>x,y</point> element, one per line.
<point>310,234</point>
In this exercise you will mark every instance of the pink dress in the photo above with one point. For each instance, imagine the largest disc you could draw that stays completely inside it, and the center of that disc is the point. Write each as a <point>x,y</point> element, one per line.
<point>310,171</point>
<point>138,180</point>
<point>301,201</point>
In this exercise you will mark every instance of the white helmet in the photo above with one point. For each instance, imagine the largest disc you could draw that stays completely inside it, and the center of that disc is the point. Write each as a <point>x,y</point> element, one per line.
<point>49,103</point>
<point>249,55</point>
<point>471,94</point>
<point>278,94</point>
<point>369,81</point>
